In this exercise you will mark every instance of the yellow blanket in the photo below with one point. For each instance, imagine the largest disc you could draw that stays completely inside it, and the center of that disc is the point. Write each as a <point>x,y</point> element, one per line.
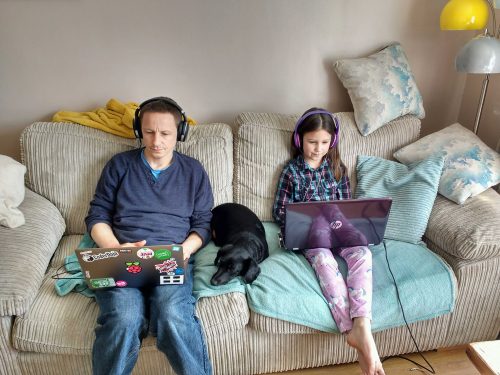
<point>116,118</point>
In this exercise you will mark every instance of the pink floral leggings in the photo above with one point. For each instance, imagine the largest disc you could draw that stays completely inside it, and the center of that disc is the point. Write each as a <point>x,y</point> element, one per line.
<point>347,299</point>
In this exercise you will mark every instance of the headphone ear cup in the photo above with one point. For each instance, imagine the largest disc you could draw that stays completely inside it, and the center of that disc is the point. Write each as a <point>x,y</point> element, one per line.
<point>296,140</point>
<point>182,131</point>
<point>136,125</point>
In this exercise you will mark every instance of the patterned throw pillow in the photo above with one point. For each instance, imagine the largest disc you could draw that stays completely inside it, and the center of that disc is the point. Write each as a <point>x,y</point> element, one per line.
<point>470,166</point>
<point>413,189</point>
<point>381,87</point>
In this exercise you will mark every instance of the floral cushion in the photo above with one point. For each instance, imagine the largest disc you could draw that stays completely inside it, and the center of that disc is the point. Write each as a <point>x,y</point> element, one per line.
<point>470,166</point>
<point>381,87</point>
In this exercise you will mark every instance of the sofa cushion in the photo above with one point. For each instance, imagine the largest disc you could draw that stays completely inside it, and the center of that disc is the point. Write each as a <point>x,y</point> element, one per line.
<point>470,165</point>
<point>64,162</point>
<point>413,189</point>
<point>65,325</point>
<point>469,231</point>
<point>11,192</point>
<point>381,87</point>
<point>262,147</point>
<point>27,253</point>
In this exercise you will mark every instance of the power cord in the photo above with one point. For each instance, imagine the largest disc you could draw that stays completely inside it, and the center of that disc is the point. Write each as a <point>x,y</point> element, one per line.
<point>60,275</point>
<point>431,370</point>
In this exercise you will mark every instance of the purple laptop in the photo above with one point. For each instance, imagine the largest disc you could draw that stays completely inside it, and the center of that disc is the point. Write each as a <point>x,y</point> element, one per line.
<point>334,224</point>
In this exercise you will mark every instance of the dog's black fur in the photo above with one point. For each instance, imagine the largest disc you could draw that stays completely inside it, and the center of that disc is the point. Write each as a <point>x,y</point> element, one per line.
<point>243,239</point>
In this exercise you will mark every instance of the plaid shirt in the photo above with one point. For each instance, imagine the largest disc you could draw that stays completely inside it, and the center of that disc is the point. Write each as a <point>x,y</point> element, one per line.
<point>301,183</point>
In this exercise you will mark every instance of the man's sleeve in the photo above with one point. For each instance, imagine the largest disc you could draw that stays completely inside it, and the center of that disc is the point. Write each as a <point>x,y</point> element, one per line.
<point>102,207</point>
<point>202,214</point>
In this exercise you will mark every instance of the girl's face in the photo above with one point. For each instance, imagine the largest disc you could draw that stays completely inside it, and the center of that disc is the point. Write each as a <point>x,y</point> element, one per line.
<point>315,146</point>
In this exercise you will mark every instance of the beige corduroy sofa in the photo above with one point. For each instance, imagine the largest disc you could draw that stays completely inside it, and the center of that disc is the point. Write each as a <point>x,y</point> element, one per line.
<point>42,333</point>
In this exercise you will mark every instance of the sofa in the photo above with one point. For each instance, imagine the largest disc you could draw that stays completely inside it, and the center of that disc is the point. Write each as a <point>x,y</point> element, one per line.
<point>44,333</point>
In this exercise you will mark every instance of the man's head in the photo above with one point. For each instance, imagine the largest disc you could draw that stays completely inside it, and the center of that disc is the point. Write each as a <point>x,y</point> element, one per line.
<point>161,105</point>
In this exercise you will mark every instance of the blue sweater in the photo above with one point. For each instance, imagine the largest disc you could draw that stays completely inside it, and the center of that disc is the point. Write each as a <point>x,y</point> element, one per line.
<point>164,211</point>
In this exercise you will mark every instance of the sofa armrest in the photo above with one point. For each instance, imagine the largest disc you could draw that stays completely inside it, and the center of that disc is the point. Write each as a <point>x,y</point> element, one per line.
<point>26,251</point>
<point>467,231</point>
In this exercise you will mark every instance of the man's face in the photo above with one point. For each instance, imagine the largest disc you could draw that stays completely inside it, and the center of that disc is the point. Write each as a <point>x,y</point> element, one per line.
<point>159,136</point>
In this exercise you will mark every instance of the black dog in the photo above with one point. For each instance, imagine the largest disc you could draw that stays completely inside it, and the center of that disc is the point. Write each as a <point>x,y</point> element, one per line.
<point>243,239</point>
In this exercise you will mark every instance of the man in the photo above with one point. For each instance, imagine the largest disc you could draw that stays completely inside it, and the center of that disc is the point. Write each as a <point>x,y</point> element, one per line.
<point>152,195</point>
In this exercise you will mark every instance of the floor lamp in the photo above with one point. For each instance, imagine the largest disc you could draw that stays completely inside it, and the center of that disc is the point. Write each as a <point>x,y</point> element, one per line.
<point>481,55</point>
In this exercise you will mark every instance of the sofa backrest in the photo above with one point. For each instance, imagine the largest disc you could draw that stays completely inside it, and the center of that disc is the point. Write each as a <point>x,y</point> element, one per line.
<point>262,147</point>
<point>64,162</point>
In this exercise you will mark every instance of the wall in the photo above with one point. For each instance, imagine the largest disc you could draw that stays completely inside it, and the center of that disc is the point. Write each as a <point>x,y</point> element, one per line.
<point>216,58</point>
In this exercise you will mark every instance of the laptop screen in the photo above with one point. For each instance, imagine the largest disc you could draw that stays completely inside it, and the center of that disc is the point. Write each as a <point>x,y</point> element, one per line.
<point>334,224</point>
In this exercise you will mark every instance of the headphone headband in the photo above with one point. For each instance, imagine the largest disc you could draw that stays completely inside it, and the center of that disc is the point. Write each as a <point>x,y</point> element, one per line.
<point>182,126</point>
<point>296,136</point>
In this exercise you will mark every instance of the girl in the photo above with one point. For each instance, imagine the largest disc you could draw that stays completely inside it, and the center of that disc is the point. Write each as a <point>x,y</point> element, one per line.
<point>317,173</point>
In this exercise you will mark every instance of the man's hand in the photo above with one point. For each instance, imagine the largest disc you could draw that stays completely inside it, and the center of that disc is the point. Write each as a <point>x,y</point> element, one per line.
<point>134,244</point>
<point>103,236</point>
<point>192,243</point>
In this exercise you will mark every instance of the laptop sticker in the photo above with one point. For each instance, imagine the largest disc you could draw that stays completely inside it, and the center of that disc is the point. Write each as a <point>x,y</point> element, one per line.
<point>133,267</point>
<point>106,282</point>
<point>162,254</point>
<point>145,253</point>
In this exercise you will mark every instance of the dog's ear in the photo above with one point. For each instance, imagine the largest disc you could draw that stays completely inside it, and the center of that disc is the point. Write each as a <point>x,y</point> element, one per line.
<point>250,271</point>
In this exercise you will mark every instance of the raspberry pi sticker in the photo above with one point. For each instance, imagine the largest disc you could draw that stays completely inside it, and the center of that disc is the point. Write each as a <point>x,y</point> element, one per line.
<point>133,267</point>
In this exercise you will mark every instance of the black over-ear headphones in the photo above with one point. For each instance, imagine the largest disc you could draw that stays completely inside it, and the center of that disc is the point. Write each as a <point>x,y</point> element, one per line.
<point>182,127</point>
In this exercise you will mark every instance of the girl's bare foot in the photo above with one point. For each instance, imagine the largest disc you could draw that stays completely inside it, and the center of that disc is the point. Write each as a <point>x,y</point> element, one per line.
<point>360,337</point>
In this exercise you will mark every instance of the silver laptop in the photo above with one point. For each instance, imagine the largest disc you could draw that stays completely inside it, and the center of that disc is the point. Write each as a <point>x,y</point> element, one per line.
<point>132,267</point>
<point>334,224</point>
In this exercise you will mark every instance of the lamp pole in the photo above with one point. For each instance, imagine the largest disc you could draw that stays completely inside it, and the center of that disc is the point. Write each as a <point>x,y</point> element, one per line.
<point>486,80</point>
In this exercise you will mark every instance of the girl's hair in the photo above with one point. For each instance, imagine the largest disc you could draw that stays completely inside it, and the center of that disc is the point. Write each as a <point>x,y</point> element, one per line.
<point>318,122</point>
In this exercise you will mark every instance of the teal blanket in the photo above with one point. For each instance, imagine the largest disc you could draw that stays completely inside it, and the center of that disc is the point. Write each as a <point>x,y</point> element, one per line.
<point>287,288</point>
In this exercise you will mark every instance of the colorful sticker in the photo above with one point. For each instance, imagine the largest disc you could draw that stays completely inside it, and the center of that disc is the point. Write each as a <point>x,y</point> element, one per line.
<point>94,257</point>
<point>106,282</point>
<point>133,267</point>
<point>121,283</point>
<point>164,279</point>
<point>162,254</point>
<point>167,266</point>
<point>145,253</point>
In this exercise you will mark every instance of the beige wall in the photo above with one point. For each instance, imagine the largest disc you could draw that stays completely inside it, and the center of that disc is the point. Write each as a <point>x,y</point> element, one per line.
<point>215,57</point>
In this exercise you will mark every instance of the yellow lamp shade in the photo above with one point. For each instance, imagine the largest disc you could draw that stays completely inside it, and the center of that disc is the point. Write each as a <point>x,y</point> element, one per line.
<point>464,15</point>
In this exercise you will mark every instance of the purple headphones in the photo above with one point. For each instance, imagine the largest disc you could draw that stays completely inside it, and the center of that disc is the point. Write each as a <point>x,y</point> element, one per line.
<point>296,136</point>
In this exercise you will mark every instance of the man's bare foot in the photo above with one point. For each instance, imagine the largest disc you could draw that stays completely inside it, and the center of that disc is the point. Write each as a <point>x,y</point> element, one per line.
<point>360,337</point>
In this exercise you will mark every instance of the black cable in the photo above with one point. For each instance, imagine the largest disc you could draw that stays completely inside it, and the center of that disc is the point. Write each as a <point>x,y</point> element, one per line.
<point>60,272</point>
<point>432,371</point>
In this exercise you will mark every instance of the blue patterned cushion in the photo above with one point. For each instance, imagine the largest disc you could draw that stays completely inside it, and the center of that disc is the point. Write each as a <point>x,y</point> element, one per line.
<point>381,87</point>
<point>470,166</point>
<point>413,189</point>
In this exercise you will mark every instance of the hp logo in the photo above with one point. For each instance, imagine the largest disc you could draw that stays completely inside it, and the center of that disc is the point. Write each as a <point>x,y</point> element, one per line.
<point>336,224</point>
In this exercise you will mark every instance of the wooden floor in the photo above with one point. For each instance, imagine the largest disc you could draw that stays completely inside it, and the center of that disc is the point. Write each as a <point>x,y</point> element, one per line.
<point>453,361</point>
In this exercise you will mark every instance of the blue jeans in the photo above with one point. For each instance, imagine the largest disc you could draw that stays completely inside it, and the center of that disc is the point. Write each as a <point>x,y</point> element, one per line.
<point>123,322</point>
